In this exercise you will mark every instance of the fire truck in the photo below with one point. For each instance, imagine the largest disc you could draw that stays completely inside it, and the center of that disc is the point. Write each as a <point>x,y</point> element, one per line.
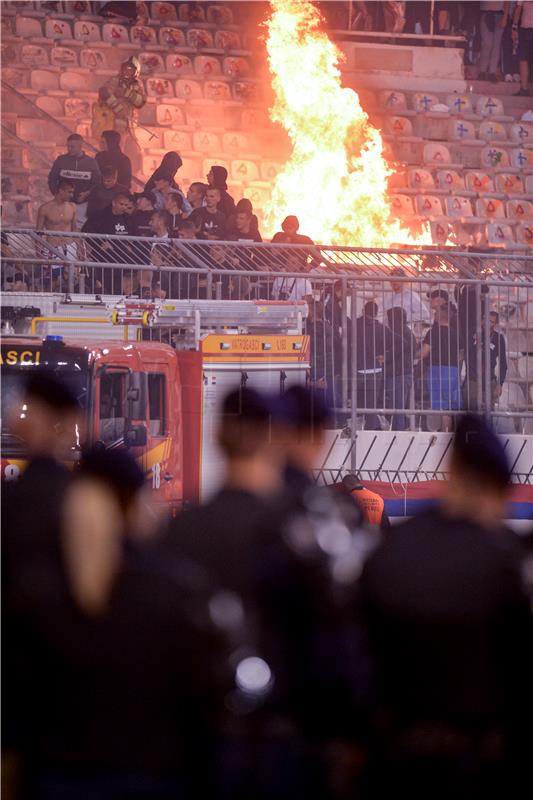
<point>160,400</point>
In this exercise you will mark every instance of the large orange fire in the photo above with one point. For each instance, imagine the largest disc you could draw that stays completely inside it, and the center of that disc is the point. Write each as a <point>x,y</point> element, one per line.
<point>336,178</point>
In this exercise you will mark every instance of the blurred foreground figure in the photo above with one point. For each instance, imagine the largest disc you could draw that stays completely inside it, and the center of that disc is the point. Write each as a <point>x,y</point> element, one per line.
<point>451,634</point>
<point>112,656</point>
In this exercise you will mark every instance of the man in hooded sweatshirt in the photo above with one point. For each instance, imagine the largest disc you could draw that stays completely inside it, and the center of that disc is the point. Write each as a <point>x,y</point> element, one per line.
<point>78,168</point>
<point>216,178</point>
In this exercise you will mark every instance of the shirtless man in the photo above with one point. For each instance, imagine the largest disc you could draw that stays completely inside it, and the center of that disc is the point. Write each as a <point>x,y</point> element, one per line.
<point>59,214</point>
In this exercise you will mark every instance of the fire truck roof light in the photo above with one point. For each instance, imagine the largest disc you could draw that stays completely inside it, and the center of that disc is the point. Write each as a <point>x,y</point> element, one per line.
<point>54,338</point>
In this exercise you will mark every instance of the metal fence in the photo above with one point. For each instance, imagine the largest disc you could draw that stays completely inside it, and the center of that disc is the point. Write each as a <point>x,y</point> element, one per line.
<point>401,339</point>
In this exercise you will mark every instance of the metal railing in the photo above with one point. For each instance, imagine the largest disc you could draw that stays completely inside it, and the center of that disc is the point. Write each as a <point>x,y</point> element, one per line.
<point>401,339</point>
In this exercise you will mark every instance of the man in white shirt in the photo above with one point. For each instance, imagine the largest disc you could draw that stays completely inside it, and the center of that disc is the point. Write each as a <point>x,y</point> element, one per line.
<point>403,296</point>
<point>291,288</point>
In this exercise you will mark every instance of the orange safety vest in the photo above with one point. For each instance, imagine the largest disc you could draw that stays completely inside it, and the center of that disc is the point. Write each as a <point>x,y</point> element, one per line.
<point>370,503</point>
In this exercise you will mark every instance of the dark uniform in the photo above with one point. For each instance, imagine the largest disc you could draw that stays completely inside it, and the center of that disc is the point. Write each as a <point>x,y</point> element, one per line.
<point>450,630</point>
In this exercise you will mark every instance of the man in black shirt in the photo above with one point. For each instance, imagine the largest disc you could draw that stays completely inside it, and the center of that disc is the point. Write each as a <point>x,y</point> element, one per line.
<point>101,196</point>
<point>451,635</point>
<point>208,216</point>
<point>144,209</point>
<point>498,365</point>
<point>441,355</point>
<point>372,341</point>
<point>111,220</point>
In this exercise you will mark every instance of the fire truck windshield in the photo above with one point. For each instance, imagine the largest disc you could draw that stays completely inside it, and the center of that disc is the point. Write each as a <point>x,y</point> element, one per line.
<point>13,382</point>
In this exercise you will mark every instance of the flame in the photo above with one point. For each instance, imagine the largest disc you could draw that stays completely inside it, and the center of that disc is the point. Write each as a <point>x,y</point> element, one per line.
<point>336,178</point>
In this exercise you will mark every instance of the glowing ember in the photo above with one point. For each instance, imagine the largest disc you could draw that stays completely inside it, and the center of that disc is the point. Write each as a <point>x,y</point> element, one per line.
<point>336,178</point>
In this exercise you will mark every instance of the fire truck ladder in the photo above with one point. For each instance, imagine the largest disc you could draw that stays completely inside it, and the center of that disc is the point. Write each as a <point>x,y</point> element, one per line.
<point>192,320</point>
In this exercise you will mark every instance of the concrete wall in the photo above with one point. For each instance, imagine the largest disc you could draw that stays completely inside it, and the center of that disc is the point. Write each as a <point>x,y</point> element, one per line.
<point>384,66</point>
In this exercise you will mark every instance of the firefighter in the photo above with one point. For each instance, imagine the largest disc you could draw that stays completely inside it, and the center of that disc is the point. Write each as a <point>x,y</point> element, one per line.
<point>119,101</point>
<point>370,503</point>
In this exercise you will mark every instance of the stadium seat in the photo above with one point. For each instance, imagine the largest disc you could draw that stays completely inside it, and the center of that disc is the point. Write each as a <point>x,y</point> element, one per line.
<point>421,180</point>
<point>191,12</point>
<point>522,133</point>
<point>63,57</point>
<point>167,114</point>
<point>188,90</point>
<point>163,12</point>
<point>242,170</point>
<point>199,38</point>
<point>150,139</point>
<point>207,66</point>
<point>28,28</point>
<point>522,158</point>
<point>489,106</point>
<point>269,170</point>
<point>115,34</point>
<point>236,67</point>
<point>93,59</point>
<point>217,90</point>
<point>460,207</point>
<point>424,101</point>
<point>494,156</point>
<point>202,117</point>
<point>143,35</point>
<point>57,29</point>
<point>73,82</point>
<point>459,104</point>
<point>227,40</point>
<point>151,64</point>
<point>258,195</point>
<point>492,131</point>
<point>450,180</point>
<point>462,131</point>
<point>159,87</point>
<point>171,37</point>
<point>393,101</point>
<point>529,184</point>
<point>204,142</point>
<point>522,210</point>
<point>402,205</point>
<point>398,126</point>
<point>524,234</point>
<point>43,80</point>
<point>77,108</point>
<point>490,207</point>
<point>436,154</point>
<point>220,15</point>
<point>500,235</point>
<point>440,232</point>
<point>235,143</point>
<point>86,31</point>
<point>180,64</point>
<point>479,182</point>
<point>253,119</point>
<point>246,91</point>
<point>509,183</point>
<point>177,140</point>
<point>36,130</point>
<point>428,206</point>
<point>33,55</point>
<point>50,105</point>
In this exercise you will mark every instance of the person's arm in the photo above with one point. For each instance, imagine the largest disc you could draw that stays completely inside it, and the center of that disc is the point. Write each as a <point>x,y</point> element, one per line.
<point>505,15</point>
<point>516,20</point>
<point>502,359</point>
<point>41,217</point>
<point>53,177</point>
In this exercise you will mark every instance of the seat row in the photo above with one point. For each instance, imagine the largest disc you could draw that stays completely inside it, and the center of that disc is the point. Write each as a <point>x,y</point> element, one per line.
<point>157,11</point>
<point>85,82</point>
<point>464,131</point>
<point>112,33</point>
<point>482,234</point>
<point>435,154</point>
<point>427,206</point>
<point>456,104</point>
<point>60,57</point>
<point>471,184</point>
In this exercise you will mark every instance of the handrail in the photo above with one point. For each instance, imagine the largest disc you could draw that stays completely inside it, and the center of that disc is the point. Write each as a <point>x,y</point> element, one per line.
<point>45,115</point>
<point>326,261</point>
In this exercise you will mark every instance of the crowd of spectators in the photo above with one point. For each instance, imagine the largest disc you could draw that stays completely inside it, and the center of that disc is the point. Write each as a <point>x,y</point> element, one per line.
<point>276,641</point>
<point>497,35</point>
